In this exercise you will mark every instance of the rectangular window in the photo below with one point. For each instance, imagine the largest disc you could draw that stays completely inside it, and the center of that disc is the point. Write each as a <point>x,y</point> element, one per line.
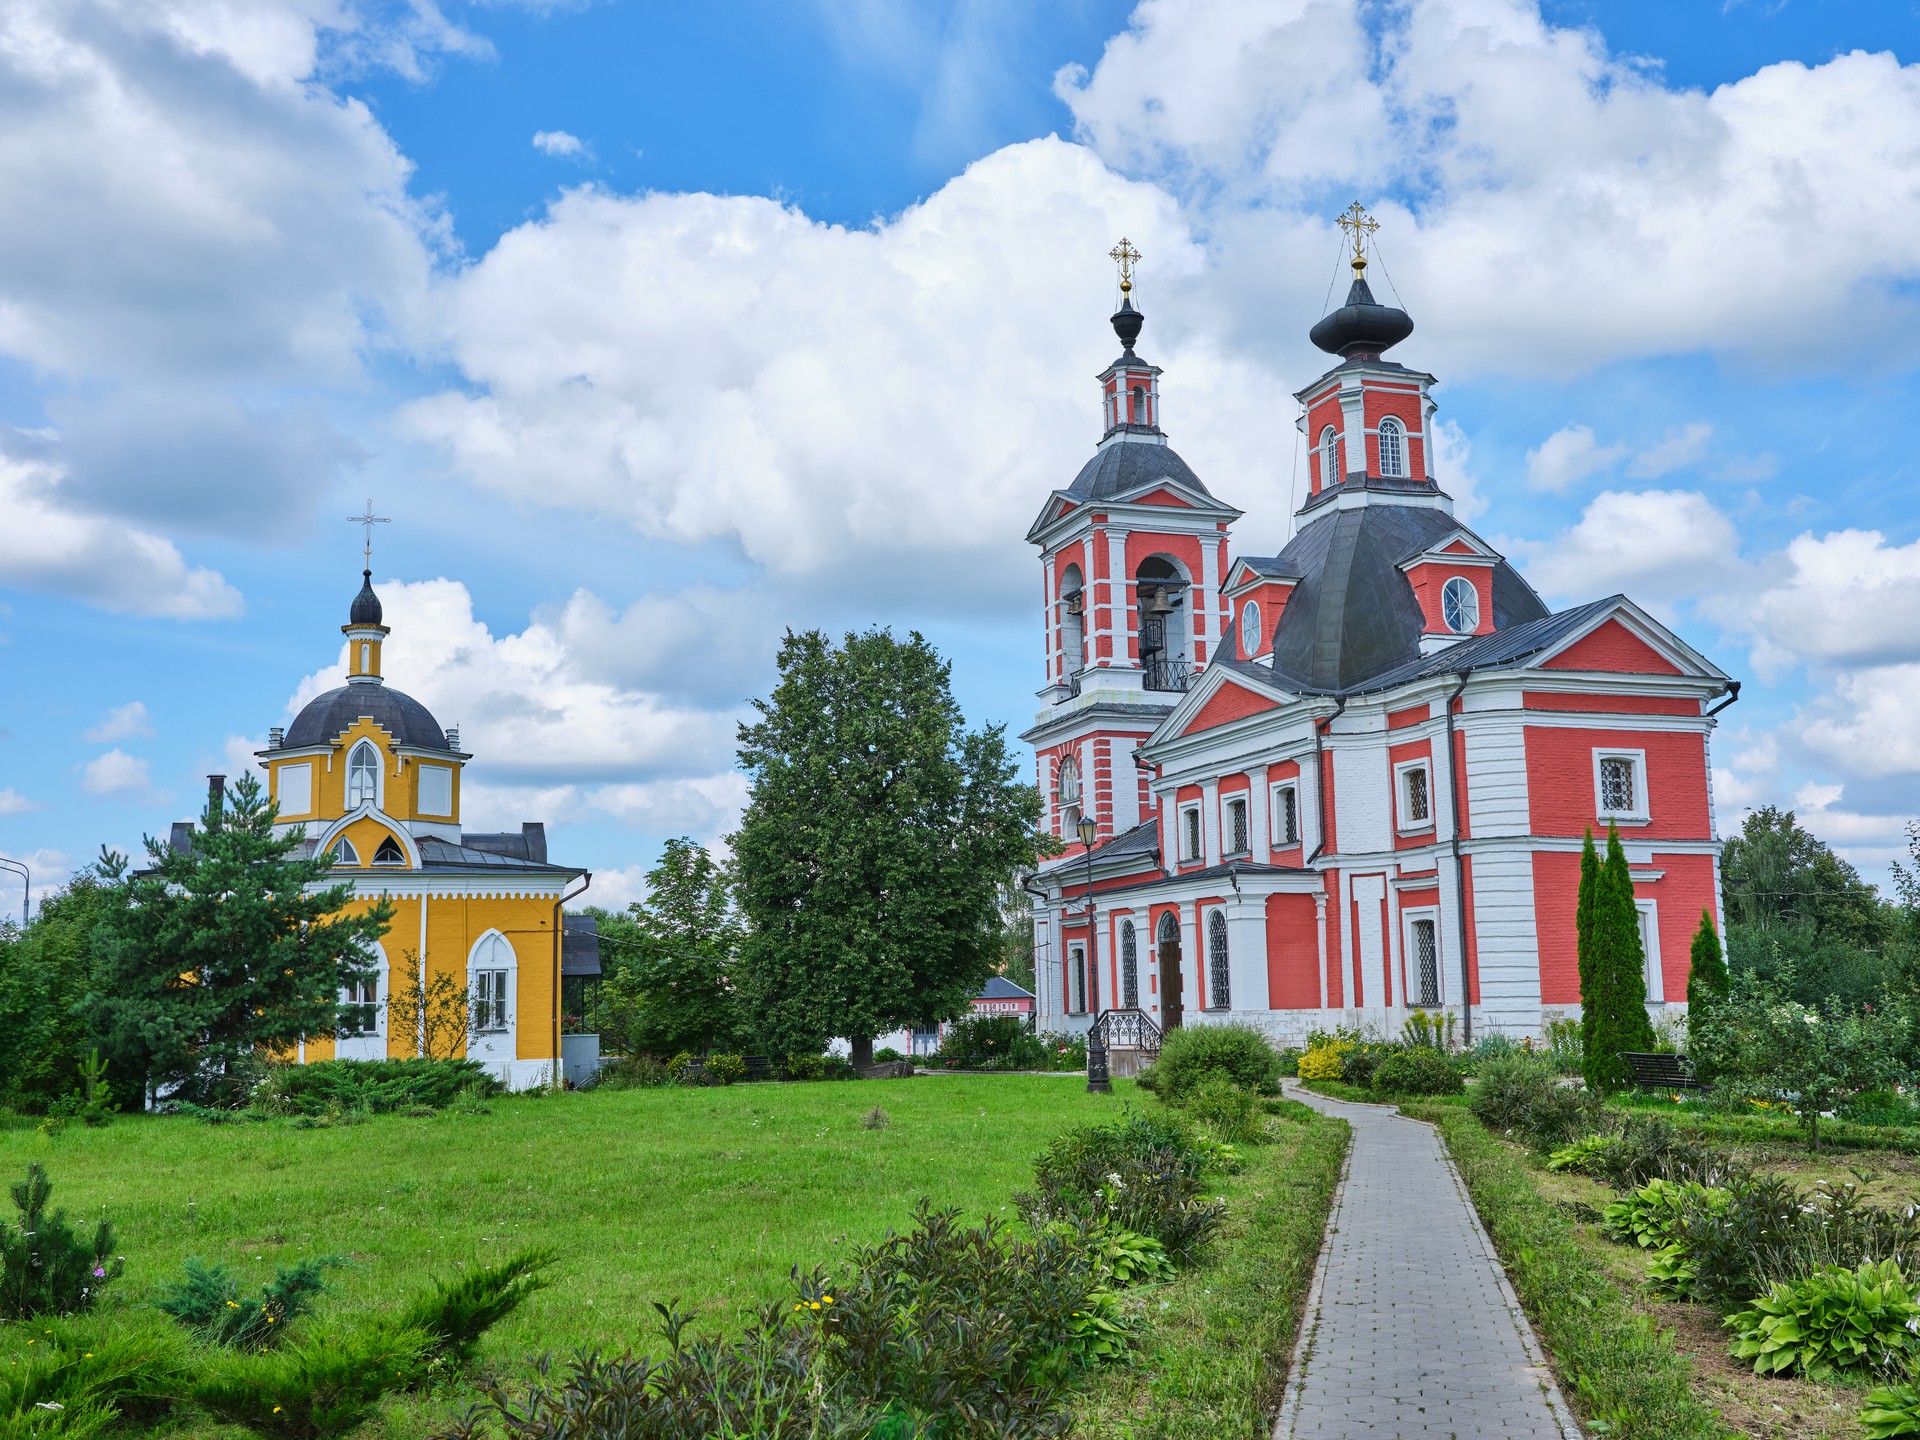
<point>1648,914</point>
<point>294,789</point>
<point>1286,815</point>
<point>1619,785</point>
<point>1416,799</point>
<point>436,790</point>
<point>489,1000</point>
<point>1077,966</point>
<point>1237,842</point>
<point>360,1008</point>
<point>1423,963</point>
<point>1190,833</point>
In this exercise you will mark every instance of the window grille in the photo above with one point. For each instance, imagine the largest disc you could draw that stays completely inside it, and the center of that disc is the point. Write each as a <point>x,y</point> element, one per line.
<point>1077,964</point>
<point>1219,991</point>
<point>1393,448</point>
<point>1286,816</point>
<point>1190,820</point>
<point>363,776</point>
<point>1237,827</point>
<point>1129,967</point>
<point>1617,789</point>
<point>489,1000</point>
<point>1426,964</point>
<point>1419,810</point>
<point>1460,606</point>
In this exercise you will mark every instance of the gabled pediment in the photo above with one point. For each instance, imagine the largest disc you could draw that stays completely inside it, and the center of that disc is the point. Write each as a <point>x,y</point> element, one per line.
<point>1459,547</point>
<point>1166,490</point>
<point>1624,639</point>
<point>1222,694</point>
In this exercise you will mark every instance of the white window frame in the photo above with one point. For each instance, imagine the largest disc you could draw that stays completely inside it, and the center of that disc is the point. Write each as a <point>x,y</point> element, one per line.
<point>442,774</point>
<point>1402,797</point>
<point>1330,456</point>
<point>344,853</point>
<point>1474,590</point>
<point>1250,623</point>
<point>301,773</point>
<point>379,775</point>
<point>1277,811</point>
<point>1398,469</point>
<point>1640,814</point>
<point>494,1043</point>
<point>1129,946</point>
<point>394,841</point>
<point>1649,916</point>
<point>368,1044</point>
<point>1408,918</point>
<point>1077,978</point>
<point>1191,837</point>
<point>1227,804</point>
<point>1071,809</point>
<point>1208,920</point>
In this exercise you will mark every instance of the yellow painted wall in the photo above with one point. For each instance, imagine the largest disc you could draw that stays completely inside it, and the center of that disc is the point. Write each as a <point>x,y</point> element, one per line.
<point>400,784</point>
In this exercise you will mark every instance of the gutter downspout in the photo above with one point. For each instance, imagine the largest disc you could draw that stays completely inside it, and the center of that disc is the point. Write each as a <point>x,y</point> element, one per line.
<point>1042,896</point>
<point>559,1074</point>
<point>1459,865</point>
<point>1320,729</point>
<point>1733,694</point>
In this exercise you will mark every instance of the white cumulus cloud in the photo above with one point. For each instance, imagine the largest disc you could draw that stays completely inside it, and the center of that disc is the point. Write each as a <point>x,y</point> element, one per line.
<point>116,773</point>
<point>1568,456</point>
<point>561,145</point>
<point>12,802</point>
<point>1656,546</point>
<point>123,722</point>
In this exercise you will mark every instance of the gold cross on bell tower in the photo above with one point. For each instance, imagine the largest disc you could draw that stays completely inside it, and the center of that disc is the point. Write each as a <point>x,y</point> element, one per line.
<point>369,520</point>
<point>1127,257</point>
<point>1359,227</point>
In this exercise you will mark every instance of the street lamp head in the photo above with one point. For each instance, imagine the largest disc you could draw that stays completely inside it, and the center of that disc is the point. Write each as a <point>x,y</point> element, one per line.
<point>1089,832</point>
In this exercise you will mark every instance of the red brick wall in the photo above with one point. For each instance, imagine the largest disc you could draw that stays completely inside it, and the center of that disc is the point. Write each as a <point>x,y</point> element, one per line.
<point>1293,953</point>
<point>1612,647</point>
<point>1230,702</point>
<point>1615,704</point>
<point>1560,792</point>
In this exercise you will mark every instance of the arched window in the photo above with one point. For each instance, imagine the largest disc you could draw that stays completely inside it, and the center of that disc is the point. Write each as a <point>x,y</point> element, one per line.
<point>361,1028</point>
<point>1219,990</point>
<point>1073,621</point>
<point>389,853</point>
<point>344,853</point>
<point>1129,967</point>
<point>1329,456</point>
<point>1140,405</point>
<point>1068,793</point>
<point>1393,448</point>
<point>1460,606</point>
<point>490,971</point>
<point>363,776</point>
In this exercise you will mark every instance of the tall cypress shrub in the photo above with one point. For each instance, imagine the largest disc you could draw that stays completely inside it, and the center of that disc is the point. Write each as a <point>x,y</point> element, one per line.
<point>1619,964</point>
<point>1706,981</point>
<point>1583,940</point>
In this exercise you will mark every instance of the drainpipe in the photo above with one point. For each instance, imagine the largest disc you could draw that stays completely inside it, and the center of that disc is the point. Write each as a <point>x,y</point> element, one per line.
<point>1733,694</point>
<point>1320,729</point>
<point>559,1071</point>
<point>1459,865</point>
<point>1042,896</point>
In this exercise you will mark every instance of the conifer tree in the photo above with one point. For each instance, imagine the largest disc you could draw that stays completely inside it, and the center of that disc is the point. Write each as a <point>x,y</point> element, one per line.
<point>871,855</point>
<point>1618,1009</point>
<point>1584,952</point>
<point>1706,981</point>
<point>220,955</point>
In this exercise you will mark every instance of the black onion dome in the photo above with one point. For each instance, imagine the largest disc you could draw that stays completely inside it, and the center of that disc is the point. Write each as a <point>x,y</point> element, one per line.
<point>326,716</point>
<point>1362,326</point>
<point>1126,464</point>
<point>1354,615</point>
<point>366,605</point>
<point>1127,323</point>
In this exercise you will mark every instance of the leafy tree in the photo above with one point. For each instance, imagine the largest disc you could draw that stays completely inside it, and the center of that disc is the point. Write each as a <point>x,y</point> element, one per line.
<point>46,971</point>
<point>1706,978</point>
<point>673,989</point>
<point>1776,1048</point>
<point>1775,874</point>
<point>436,1024</point>
<point>1617,965</point>
<point>221,955</point>
<point>872,853</point>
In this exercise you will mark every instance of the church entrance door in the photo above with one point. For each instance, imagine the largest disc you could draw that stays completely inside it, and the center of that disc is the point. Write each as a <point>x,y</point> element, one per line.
<point>1168,946</point>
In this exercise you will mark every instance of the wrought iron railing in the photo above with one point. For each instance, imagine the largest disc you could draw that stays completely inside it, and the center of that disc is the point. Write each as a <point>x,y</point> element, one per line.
<point>1125,1030</point>
<point>1168,674</point>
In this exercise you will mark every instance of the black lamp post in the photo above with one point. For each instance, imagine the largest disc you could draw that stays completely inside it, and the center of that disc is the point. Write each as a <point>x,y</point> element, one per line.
<point>1097,1080</point>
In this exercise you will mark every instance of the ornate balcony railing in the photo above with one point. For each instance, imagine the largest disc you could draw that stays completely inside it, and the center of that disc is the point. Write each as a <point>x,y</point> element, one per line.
<point>1168,674</point>
<point>1125,1030</point>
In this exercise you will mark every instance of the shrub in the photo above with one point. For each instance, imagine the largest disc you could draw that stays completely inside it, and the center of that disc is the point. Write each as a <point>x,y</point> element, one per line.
<point>452,1317</point>
<point>1563,1046</point>
<point>374,1086</point>
<point>1494,1046</point>
<point>1421,1070</point>
<point>1223,1107</point>
<point>1359,1063</point>
<point>1582,1156</point>
<point>1063,1052</point>
<point>988,1042</point>
<point>1324,1061</point>
<point>1522,1097</point>
<point>1830,1322</point>
<point>887,1055</point>
<point>802,1067</point>
<point>46,1267</point>
<point>726,1069</point>
<point>1126,1257</point>
<point>1290,1060</point>
<point>633,1072</point>
<point>1431,1031</point>
<point>1655,1215</point>
<point>1891,1411</point>
<point>1156,1192</point>
<point>1238,1053</point>
<point>311,1387</point>
<point>1880,1107</point>
<point>85,1374</point>
<point>207,1300</point>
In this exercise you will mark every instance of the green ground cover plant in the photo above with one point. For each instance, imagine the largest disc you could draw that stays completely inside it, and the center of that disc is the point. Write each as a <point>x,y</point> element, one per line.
<point>1830,1321</point>
<point>375,1087</point>
<point>1618,1368</point>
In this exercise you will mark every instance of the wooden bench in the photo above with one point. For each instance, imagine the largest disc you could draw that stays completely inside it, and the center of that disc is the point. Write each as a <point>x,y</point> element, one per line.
<point>1660,1072</point>
<point>759,1067</point>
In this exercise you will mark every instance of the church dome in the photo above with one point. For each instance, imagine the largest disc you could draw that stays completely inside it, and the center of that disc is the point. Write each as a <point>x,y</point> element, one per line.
<point>1125,464</point>
<point>325,717</point>
<point>366,605</point>
<point>1354,616</point>
<point>1362,327</point>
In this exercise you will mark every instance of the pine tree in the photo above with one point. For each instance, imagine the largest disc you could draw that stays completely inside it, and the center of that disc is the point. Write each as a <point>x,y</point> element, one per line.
<point>1619,1008</point>
<point>1590,984</point>
<point>221,956</point>
<point>1706,981</point>
<point>871,854</point>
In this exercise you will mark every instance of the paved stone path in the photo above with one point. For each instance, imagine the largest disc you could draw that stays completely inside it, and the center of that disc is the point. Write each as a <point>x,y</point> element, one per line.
<point>1411,1328</point>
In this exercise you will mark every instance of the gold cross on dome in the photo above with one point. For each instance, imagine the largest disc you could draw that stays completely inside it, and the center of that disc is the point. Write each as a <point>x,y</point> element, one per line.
<point>1359,227</point>
<point>1127,257</point>
<point>369,520</point>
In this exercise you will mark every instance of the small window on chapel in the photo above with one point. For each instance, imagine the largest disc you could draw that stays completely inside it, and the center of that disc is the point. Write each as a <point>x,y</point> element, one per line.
<point>389,853</point>
<point>363,776</point>
<point>1329,456</point>
<point>1393,448</point>
<point>1237,827</point>
<point>344,853</point>
<point>1286,815</point>
<point>1621,787</point>
<point>1139,405</point>
<point>1190,833</point>
<point>1460,606</point>
<point>1416,799</point>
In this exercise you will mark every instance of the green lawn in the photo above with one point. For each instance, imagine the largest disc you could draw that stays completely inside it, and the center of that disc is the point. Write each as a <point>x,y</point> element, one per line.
<point>705,1195</point>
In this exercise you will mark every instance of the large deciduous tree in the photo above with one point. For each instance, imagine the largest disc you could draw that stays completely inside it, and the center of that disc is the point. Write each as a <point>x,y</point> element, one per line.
<point>46,971</point>
<point>670,986</point>
<point>872,853</point>
<point>1614,1014</point>
<point>221,954</point>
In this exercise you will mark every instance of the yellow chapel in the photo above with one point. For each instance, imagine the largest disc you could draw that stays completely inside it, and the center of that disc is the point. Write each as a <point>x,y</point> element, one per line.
<point>374,780</point>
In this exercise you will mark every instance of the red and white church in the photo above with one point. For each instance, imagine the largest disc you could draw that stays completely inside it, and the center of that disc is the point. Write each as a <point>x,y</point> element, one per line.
<point>1350,780</point>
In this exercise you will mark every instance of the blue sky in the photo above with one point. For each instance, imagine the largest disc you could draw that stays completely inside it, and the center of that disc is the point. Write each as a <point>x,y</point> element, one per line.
<point>658,328</point>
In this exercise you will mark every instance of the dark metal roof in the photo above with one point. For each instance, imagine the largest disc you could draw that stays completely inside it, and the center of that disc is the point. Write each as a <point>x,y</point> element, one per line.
<point>438,854</point>
<point>1142,839</point>
<point>366,605</point>
<point>529,844</point>
<point>1362,326</point>
<point>998,987</point>
<point>401,716</point>
<point>1127,464</point>
<point>579,945</point>
<point>1500,650</point>
<point>1353,617</point>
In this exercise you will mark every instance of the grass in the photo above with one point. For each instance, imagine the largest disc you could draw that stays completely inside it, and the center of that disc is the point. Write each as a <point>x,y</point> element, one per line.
<point>1621,1372</point>
<point>1212,1357</point>
<point>708,1196</point>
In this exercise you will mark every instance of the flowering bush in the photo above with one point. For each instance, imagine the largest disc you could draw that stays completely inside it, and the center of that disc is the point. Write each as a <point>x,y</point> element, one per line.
<point>1325,1058</point>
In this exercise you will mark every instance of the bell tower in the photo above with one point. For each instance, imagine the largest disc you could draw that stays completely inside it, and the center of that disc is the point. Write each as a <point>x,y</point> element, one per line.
<point>1133,555</point>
